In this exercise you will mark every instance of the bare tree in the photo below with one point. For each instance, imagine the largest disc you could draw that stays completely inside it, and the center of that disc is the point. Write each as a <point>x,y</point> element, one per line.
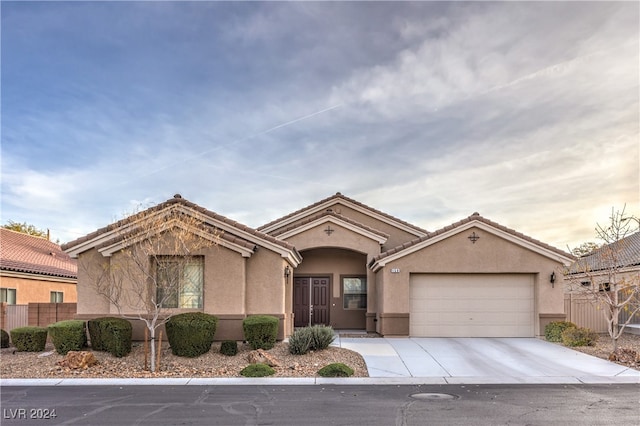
<point>605,278</point>
<point>156,269</point>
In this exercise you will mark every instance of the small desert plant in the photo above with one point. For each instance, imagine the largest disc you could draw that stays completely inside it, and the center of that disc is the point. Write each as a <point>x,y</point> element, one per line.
<point>260,331</point>
<point>579,336</point>
<point>314,338</point>
<point>191,334</point>
<point>553,330</point>
<point>229,348</point>
<point>69,335</point>
<point>4,339</point>
<point>336,369</point>
<point>29,339</point>
<point>300,341</point>
<point>257,370</point>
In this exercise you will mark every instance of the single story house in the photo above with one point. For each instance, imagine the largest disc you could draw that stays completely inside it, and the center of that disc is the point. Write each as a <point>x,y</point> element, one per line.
<point>34,270</point>
<point>342,263</point>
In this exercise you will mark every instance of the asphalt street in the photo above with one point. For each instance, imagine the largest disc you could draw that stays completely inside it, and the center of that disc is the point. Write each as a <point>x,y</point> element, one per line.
<point>611,404</point>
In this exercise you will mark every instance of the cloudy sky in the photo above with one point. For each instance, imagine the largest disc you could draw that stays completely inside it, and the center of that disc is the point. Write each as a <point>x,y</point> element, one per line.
<point>525,112</point>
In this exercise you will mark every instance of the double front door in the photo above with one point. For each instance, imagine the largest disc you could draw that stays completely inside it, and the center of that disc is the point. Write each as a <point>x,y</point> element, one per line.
<point>310,301</point>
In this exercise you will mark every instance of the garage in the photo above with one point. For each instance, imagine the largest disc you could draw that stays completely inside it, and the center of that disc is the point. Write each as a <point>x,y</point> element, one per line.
<point>471,305</point>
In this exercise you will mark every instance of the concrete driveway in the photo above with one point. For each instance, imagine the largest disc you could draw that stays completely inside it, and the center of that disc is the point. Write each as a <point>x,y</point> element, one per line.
<point>482,360</point>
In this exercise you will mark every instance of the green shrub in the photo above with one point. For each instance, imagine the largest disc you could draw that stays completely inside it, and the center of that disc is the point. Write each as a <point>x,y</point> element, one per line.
<point>229,348</point>
<point>191,334</point>
<point>260,331</point>
<point>69,335</point>
<point>553,330</point>
<point>29,339</point>
<point>111,334</point>
<point>4,339</point>
<point>314,338</point>
<point>579,336</point>
<point>300,341</point>
<point>337,369</point>
<point>323,336</point>
<point>257,370</point>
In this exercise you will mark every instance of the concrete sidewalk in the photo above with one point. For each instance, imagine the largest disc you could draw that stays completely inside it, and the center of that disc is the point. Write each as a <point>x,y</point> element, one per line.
<point>483,360</point>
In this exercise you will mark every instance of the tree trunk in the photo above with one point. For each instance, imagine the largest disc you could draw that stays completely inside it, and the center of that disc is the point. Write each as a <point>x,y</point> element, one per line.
<point>152,330</point>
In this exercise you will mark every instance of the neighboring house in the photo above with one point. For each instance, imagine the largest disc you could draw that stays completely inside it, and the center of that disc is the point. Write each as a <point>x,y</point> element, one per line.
<point>594,271</point>
<point>342,263</point>
<point>35,270</point>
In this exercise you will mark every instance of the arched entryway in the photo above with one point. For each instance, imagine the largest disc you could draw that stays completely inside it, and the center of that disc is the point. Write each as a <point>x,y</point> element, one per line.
<point>330,288</point>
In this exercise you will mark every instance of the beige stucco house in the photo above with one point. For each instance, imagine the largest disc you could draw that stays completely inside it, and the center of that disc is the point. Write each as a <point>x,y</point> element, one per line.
<point>342,263</point>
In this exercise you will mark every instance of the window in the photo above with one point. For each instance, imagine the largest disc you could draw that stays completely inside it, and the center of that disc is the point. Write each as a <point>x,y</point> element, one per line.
<point>354,293</point>
<point>57,297</point>
<point>605,287</point>
<point>179,281</point>
<point>8,295</point>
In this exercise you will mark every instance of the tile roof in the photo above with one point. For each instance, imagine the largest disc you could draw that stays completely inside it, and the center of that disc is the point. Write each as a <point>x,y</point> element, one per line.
<point>626,252</point>
<point>325,213</point>
<point>178,200</point>
<point>474,217</point>
<point>34,255</point>
<point>338,196</point>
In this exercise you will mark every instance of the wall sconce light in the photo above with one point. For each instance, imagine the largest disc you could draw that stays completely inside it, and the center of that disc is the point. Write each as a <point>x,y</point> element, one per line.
<point>552,279</point>
<point>287,271</point>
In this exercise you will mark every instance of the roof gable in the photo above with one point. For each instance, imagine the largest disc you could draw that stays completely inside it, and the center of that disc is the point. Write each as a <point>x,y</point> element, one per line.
<point>475,220</point>
<point>338,220</point>
<point>229,233</point>
<point>34,255</point>
<point>338,198</point>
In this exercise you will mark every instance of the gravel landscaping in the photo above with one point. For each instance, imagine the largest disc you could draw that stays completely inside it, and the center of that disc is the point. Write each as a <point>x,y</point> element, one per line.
<point>213,364</point>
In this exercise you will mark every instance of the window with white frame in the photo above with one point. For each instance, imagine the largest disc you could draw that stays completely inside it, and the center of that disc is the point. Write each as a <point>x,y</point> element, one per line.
<point>57,297</point>
<point>354,292</point>
<point>8,295</point>
<point>179,281</point>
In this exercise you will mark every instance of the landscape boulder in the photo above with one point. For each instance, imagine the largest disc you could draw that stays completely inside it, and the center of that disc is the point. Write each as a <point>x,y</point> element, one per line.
<point>260,356</point>
<point>78,360</point>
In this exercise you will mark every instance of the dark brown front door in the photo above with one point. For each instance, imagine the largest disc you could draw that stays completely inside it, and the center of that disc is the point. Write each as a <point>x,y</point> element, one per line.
<point>311,301</point>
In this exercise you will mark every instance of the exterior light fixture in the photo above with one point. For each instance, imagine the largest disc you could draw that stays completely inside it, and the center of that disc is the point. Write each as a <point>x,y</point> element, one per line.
<point>552,279</point>
<point>287,271</point>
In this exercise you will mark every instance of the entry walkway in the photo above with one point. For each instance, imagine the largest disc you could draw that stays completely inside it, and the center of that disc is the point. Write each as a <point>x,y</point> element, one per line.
<point>483,360</point>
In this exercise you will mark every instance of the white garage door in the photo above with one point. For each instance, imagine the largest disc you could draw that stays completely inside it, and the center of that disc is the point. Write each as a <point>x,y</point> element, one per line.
<point>471,305</point>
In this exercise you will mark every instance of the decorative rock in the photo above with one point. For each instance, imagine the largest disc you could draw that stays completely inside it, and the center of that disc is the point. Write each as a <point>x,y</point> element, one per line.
<point>260,356</point>
<point>78,359</point>
<point>625,355</point>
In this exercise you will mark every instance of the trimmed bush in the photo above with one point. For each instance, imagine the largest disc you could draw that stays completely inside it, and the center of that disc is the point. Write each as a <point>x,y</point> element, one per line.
<point>111,334</point>
<point>4,339</point>
<point>257,370</point>
<point>336,369</point>
<point>260,331</point>
<point>29,339</point>
<point>300,341</point>
<point>314,338</point>
<point>69,335</point>
<point>553,330</point>
<point>191,334</point>
<point>579,336</point>
<point>229,348</point>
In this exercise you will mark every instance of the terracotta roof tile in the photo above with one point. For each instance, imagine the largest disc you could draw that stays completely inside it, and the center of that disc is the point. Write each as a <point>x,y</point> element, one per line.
<point>177,199</point>
<point>34,255</point>
<point>339,196</point>
<point>474,216</point>
<point>626,251</point>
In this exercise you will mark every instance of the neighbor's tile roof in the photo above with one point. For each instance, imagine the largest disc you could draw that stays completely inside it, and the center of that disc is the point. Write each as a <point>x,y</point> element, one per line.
<point>325,213</point>
<point>177,199</point>
<point>626,252</point>
<point>473,217</point>
<point>338,196</point>
<point>34,255</point>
